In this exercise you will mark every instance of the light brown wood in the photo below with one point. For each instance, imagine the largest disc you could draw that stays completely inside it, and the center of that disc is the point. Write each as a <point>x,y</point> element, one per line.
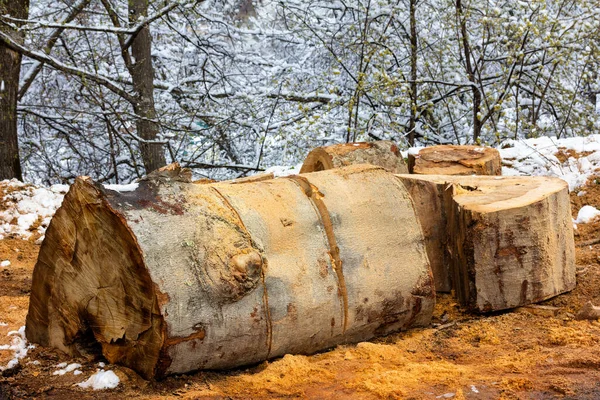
<point>176,276</point>
<point>383,153</point>
<point>505,241</point>
<point>455,160</point>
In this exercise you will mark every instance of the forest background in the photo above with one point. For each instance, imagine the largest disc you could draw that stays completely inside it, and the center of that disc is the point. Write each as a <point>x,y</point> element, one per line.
<point>114,89</point>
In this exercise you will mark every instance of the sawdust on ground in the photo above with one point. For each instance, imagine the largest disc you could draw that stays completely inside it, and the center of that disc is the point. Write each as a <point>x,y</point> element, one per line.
<point>522,354</point>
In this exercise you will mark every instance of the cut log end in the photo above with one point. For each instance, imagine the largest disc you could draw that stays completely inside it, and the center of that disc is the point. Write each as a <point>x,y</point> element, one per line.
<point>382,153</point>
<point>455,160</point>
<point>90,285</point>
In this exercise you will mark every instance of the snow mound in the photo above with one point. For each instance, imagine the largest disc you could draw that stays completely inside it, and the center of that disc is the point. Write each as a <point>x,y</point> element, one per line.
<point>587,214</point>
<point>101,380</point>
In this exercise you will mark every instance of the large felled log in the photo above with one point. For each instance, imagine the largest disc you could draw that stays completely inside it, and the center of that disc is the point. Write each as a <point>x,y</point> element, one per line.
<point>383,153</point>
<point>507,241</point>
<point>176,276</point>
<point>455,160</point>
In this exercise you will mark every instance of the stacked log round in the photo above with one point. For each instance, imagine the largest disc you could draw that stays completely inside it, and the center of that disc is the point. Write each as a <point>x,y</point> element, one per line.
<point>382,153</point>
<point>176,276</point>
<point>502,242</point>
<point>455,160</point>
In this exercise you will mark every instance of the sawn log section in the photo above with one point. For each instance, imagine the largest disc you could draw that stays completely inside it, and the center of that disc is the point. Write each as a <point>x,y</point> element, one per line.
<point>176,276</point>
<point>500,242</point>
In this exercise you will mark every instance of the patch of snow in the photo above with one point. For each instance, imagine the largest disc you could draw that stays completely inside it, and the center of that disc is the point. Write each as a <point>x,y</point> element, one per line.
<point>474,389</point>
<point>26,205</point>
<point>101,364</point>
<point>123,188</point>
<point>5,264</point>
<point>101,380</point>
<point>538,157</point>
<point>446,396</point>
<point>18,346</point>
<point>66,368</point>
<point>587,214</point>
<point>279,170</point>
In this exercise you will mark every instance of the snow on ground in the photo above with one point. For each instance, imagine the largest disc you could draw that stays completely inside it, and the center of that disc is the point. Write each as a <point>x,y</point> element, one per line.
<point>18,346</point>
<point>63,368</point>
<point>538,157</point>
<point>28,209</point>
<point>279,170</point>
<point>101,380</point>
<point>586,214</point>
<point>28,206</point>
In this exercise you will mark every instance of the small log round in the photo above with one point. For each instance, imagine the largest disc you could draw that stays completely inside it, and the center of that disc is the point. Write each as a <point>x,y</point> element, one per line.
<point>502,242</point>
<point>382,153</point>
<point>176,276</point>
<point>455,160</point>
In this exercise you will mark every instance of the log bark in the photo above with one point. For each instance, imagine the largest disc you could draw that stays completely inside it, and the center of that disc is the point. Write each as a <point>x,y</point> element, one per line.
<point>383,153</point>
<point>176,276</point>
<point>508,240</point>
<point>455,160</point>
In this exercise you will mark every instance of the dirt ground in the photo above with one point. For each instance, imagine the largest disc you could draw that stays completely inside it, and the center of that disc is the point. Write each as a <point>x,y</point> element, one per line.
<point>528,353</point>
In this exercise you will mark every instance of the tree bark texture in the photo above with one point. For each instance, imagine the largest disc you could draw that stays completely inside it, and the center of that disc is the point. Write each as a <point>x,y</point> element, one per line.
<point>177,276</point>
<point>10,67</point>
<point>381,153</point>
<point>455,160</point>
<point>506,241</point>
<point>142,75</point>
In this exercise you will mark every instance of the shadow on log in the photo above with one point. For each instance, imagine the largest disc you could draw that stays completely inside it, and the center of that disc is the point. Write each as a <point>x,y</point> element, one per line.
<point>175,276</point>
<point>383,153</point>
<point>455,160</point>
<point>502,242</point>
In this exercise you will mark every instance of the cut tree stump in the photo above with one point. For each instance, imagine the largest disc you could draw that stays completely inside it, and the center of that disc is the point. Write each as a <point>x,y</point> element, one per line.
<point>383,153</point>
<point>455,160</point>
<point>502,242</point>
<point>176,276</point>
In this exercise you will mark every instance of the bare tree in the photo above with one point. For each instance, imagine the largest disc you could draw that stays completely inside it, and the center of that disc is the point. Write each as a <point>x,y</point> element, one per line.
<point>10,68</point>
<point>142,76</point>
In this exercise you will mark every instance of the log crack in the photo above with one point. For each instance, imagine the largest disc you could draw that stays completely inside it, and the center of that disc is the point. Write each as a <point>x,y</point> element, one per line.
<point>316,198</point>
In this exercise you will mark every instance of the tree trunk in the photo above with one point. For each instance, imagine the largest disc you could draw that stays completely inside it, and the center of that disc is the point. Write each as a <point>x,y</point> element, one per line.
<point>412,123</point>
<point>508,240</point>
<point>382,153</point>
<point>470,69</point>
<point>10,67</point>
<point>455,160</point>
<point>142,75</point>
<point>177,276</point>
